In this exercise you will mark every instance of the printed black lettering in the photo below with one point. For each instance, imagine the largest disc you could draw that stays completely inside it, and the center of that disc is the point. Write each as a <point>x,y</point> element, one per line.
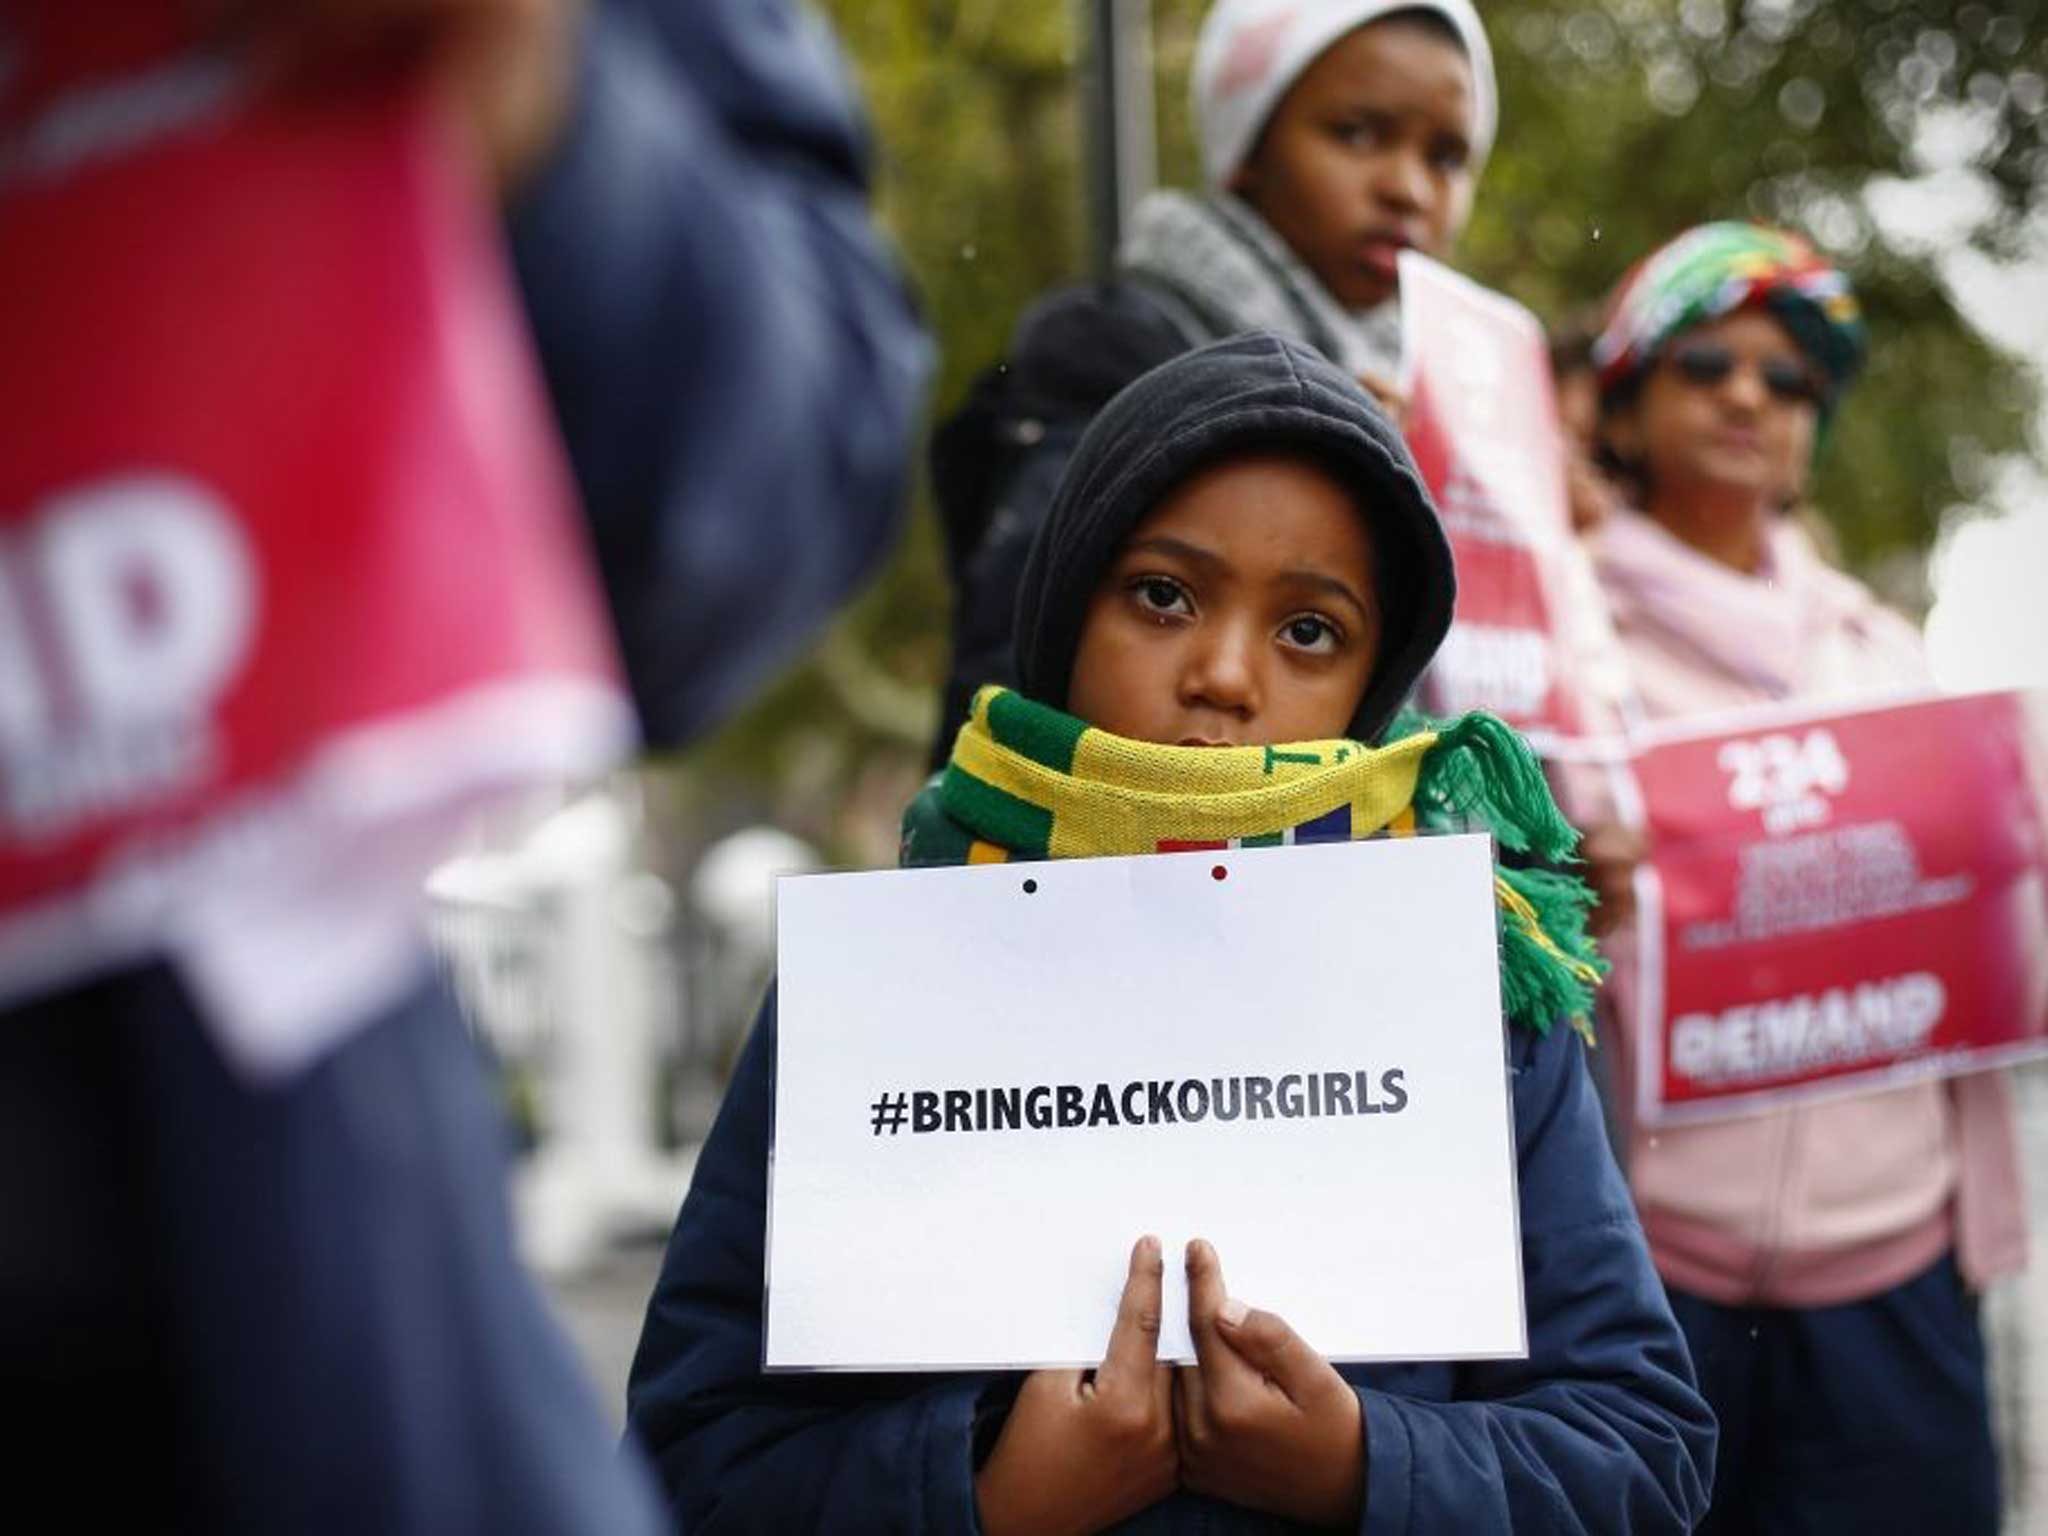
<point>1038,1107</point>
<point>1073,1105</point>
<point>1132,1114</point>
<point>1337,1091</point>
<point>1159,1102</point>
<point>1289,1097</point>
<point>1102,1111</point>
<point>1008,1101</point>
<point>1258,1098</point>
<point>1142,1101</point>
<point>1365,1103</point>
<point>1228,1106</point>
<point>959,1110</point>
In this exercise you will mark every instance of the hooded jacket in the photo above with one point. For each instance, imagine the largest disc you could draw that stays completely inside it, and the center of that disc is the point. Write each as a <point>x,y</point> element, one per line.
<point>1254,393</point>
<point>1599,1429</point>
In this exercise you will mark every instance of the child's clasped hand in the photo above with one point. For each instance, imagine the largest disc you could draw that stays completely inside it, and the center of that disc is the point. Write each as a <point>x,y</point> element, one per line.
<point>1261,1420</point>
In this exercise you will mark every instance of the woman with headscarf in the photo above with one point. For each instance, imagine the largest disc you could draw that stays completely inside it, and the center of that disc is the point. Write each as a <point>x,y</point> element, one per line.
<point>1824,1257</point>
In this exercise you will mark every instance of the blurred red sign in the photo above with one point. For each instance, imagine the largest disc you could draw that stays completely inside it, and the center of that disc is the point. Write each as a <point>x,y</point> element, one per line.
<point>1483,427</point>
<point>287,552</point>
<point>1839,900</point>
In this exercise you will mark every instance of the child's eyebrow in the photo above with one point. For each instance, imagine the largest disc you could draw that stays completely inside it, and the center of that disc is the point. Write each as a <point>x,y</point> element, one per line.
<point>1331,584</point>
<point>1166,544</point>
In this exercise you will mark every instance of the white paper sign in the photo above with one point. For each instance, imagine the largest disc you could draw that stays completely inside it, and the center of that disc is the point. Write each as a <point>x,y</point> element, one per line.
<point>992,1080</point>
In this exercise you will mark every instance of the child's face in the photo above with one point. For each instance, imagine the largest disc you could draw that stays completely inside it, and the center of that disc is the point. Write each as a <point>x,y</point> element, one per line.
<point>1241,612</point>
<point>1728,409</point>
<point>1370,151</point>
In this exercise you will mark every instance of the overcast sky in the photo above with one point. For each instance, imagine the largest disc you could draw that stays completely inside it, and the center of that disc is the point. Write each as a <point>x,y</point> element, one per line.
<point>1989,572</point>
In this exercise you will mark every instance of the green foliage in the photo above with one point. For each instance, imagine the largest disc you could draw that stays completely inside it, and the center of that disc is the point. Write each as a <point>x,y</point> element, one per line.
<point>1623,122</point>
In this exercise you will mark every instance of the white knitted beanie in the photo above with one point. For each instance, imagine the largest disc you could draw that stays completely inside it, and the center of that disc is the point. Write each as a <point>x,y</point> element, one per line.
<point>1251,51</point>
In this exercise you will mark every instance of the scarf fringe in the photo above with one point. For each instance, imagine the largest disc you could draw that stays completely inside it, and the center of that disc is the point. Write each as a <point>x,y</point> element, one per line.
<point>1549,964</point>
<point>1481,770</point>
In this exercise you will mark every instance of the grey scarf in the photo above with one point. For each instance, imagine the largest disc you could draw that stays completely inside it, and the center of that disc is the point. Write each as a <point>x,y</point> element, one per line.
<point>1225,269</point>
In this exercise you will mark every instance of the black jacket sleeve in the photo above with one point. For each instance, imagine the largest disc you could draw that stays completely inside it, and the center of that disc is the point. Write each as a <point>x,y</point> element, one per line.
<point>731,350</point>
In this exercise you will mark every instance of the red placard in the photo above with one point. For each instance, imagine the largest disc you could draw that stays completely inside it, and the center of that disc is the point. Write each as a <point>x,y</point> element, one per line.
<point>1839,900</point>
<point>287,548</point>
<point>1483,427</point>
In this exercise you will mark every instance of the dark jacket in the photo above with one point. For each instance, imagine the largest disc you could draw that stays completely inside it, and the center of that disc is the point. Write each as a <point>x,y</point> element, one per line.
<point>730,348</point>
<point>1600,1429</point>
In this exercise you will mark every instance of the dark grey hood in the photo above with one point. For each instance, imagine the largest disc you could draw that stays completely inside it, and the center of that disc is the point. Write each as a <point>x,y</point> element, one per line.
<point>1253,393</point>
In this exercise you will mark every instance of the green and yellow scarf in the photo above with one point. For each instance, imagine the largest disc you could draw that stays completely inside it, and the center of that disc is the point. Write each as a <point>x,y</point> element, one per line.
<point>1029,782</point>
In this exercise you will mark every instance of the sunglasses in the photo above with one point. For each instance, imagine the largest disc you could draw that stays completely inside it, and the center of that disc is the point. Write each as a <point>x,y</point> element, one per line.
<point>1707,363</point>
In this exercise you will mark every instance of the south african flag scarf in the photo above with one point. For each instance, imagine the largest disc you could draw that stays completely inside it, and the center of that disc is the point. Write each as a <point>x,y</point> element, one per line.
<point>1029,782</point>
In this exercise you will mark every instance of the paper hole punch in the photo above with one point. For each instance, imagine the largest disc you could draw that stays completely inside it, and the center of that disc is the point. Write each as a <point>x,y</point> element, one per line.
<point>1030,887</point>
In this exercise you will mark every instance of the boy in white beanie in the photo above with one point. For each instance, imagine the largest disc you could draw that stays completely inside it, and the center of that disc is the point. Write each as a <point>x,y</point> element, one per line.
<point>1334,134</point>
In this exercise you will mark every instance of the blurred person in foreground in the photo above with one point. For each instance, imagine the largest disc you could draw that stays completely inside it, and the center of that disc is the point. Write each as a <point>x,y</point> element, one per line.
<point>1333,137</point>
<point>296,1305</point>
<point>1824,1258</point>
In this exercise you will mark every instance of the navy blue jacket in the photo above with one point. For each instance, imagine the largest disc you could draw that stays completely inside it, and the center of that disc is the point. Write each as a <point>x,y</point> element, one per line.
<point>1600,1429</point>
<point>730,348</point>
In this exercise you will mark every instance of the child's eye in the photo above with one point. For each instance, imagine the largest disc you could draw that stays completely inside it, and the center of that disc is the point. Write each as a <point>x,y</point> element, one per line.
<point>1161,595</point>
<point>1449,156</point>
<point>1311,632</point>
<point>1356,132</point>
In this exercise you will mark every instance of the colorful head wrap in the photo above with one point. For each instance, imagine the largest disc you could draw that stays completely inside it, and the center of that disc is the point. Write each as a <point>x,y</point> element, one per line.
<point>1716,269</point>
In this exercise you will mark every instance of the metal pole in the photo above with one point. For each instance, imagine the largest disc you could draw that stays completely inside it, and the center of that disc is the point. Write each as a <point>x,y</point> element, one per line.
<point>1117,105</point>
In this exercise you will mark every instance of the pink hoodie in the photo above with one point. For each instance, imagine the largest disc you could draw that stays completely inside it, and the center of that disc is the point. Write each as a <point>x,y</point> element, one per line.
<point>1820,1203</point>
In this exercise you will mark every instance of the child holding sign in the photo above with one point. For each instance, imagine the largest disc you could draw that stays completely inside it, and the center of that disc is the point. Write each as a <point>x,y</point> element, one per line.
<point>1240,556</point>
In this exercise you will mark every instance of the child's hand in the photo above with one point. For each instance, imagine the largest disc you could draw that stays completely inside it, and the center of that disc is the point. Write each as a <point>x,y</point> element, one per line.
<point>1263,1420</point>
<point>1077,1455</point>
